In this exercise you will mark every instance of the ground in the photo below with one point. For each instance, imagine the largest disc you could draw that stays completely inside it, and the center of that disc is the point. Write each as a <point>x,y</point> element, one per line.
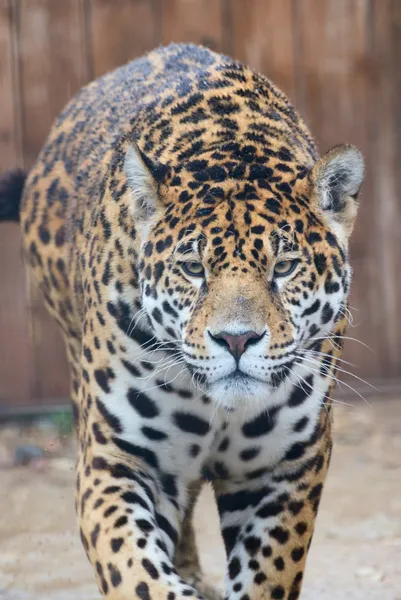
<point>356,552</point>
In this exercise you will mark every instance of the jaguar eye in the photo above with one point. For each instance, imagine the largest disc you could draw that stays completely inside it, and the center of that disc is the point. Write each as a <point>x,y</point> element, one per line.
<point>193,269</point>
<point>285,267</point>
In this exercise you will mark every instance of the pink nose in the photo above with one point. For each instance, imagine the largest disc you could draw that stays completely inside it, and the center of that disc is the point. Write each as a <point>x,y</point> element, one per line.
<point>236,344</point>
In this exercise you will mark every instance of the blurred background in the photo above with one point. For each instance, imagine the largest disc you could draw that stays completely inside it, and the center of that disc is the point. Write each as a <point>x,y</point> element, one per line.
<point>339,61</point>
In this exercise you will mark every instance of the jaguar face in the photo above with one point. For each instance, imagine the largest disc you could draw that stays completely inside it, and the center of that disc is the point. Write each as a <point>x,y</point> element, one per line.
<point>245,279</point>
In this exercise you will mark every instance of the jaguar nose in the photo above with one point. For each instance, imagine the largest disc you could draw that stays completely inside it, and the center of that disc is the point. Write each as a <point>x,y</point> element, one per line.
<point>236,344</point>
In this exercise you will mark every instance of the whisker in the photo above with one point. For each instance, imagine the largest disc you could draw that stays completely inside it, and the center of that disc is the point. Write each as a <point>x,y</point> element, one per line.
<point>334,378</point>
<point>340,370</point>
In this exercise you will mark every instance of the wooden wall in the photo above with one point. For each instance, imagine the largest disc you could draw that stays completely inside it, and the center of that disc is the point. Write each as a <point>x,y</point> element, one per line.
<point>339,61</point>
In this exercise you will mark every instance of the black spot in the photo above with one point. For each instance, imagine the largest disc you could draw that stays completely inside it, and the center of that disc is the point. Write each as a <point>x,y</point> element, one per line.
<point>242,500</point>
<point>95,535</point>
<point>116,544</point>
<point>144,525</point>
<point>261,425</point>
<point>166,526</point>
<point>279,534</point>
<point>191,423</point>
<point>150,568</point>
<point>313,237</point>
<point>315,492</point>
<point>169,485</point>
<point>230,535</point>
<point>301,527</point>
<point>273,206</point>
<point>312,309</point>
<point>331,287</point>
<point>115,575</point>
<point>296,451</point>
<point>44,234</point>
<point>153,434</point>
<point>300,424</point>
<point>260,578</point>
<point>142,591</point>
<point>120,522</point>
<point>278,592</point>
<point>194,450</point>
<point>297,554</point>
<point>169,310</point>
<point>252,544</point>
<point>131,368</point>
<point>110,419</point>
<point>223,445</point>
<point>148,249</point>
<point>327,313</point>
<point>111,510</point>
<point>249,454</point>
<point>234,567</point>
<point>320,261</point>
<point>221,470</point>
<point>298,394</point>
<point>270,509</point>
<point>260,172</point>
<point>143,405</point>
<point>157,315</point>
<point>103,377</point>
<point>144,453</point>
<point>295,507</point>
<point>97,432</point>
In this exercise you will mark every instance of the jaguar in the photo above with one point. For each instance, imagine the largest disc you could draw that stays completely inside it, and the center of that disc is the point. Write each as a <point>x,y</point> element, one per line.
<point>193,247</point>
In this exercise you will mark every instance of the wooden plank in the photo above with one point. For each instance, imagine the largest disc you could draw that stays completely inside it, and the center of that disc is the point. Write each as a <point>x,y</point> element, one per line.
<point>53,64</point>
<point>331,54</point>
<point>262,36</point>
<point>10,142</point>
<point>121,30</point>
<point>51,383</point>
<point>196,21</point>
<point>16,352</point>
<point>386,149</point>
<point>333,83</point>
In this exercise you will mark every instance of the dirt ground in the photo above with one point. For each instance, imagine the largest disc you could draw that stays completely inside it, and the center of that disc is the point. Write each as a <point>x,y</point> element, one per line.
<point>356,553</point>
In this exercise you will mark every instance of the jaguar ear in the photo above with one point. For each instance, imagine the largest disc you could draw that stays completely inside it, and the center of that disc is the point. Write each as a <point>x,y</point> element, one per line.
<point>144,178</point>
<point>337,177</point>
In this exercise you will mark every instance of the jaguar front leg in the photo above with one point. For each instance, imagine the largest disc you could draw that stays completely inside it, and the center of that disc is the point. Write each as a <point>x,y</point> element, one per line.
<point>268,526</point>
<point>129,524</point>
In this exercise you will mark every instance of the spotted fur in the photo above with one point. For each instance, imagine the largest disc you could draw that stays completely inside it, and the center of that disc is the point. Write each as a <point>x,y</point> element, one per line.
<point>185,162</point>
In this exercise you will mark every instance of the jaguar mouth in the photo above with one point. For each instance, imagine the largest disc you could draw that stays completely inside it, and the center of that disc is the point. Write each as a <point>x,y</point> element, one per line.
<point>240,377</point>
<point>276,376</point>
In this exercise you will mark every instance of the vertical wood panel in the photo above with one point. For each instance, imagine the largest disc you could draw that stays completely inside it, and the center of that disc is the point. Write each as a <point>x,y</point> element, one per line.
<point>16,352</point>
<point>332,58</point>
<point>16,356</point>
<point>10,142</point>
<point>51,377</point>
<point>53,66</point>
<point>121,30</point>
<point>386,149</point>
<point>196,21</point>
<point>262,33</point>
